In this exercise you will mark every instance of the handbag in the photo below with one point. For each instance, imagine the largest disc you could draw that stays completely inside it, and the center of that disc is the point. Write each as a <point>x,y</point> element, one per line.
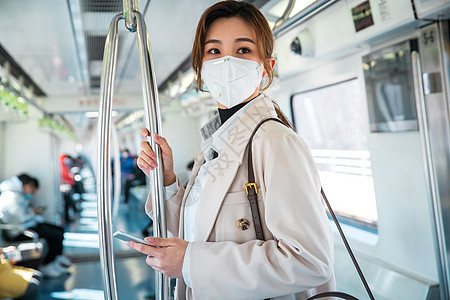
<point>252,192</point>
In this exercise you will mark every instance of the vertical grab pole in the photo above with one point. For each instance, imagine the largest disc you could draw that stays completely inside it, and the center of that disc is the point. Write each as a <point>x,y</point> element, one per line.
<point>116,170</point>
<point>151,103</point>
<point>103,183</point>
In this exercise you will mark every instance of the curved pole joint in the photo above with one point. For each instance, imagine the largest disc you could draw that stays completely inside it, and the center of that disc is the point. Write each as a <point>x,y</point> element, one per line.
<point>151,104</point>
<point>286,13</point>
<point>129,7</point>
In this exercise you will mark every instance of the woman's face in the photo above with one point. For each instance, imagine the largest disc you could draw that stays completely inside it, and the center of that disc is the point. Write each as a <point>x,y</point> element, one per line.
<point>231,36</point>
<point>234,37</point>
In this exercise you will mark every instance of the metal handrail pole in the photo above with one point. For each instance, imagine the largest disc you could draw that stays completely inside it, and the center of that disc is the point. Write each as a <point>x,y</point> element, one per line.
<point>301,17</point>
<point>151,104</point>
<point>104,182</point>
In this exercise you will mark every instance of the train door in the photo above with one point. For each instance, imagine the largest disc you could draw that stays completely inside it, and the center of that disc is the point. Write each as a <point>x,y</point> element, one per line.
<point>432,85</point>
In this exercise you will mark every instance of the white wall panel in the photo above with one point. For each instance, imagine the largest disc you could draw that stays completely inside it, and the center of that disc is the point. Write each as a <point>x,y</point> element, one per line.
<point>183,134</point>
<point>334,35</point>
<point>403,206</point>
<point>181,131</point>
<point>28,149</point>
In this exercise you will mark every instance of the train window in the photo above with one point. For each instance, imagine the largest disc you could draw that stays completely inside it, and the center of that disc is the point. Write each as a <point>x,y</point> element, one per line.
<point>333,122</point>
<point>389,88</point>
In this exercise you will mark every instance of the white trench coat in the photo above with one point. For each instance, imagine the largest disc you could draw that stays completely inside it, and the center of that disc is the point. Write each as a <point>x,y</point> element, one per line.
<point>227,262</point>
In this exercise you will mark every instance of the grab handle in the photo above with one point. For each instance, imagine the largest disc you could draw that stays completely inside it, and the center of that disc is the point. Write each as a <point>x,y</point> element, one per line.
<point>103,182</point>
<point>151,104</point>
<point>152,113</point>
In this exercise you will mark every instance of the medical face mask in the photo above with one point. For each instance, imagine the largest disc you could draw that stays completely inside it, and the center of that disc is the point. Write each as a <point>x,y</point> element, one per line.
<point>231,80</point>
<point>28,196</point>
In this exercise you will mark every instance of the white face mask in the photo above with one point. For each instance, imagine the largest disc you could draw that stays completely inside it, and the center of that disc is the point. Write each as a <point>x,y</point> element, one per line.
<point>231,80</point>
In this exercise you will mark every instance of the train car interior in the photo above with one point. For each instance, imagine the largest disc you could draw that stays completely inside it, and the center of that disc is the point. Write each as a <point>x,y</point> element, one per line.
<point>366,84</point>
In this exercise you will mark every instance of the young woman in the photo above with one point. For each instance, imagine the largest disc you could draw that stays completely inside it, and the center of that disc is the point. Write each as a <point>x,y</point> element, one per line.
<point>216,254</point>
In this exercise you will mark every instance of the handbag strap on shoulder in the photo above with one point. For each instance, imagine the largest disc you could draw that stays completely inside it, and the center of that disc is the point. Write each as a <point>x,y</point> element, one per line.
<point>252,192</point>
<point>250,187</point>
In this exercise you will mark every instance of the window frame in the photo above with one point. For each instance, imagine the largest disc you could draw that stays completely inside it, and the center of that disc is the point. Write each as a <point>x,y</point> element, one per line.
<point>344,219</point>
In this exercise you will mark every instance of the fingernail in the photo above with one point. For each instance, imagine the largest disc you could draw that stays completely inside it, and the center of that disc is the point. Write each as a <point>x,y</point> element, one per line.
<point>153,156</point>
<point>154,164</point>
<point>129,243</point>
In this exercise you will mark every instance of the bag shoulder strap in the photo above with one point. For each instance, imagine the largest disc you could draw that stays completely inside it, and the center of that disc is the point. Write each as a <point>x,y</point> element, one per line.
<point>252,192</point>
<point>347,246</point>
<point>250,187</point>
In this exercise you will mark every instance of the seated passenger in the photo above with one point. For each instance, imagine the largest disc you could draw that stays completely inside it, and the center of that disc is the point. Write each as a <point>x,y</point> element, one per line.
<point>15,196</point>
<point>17,282</point>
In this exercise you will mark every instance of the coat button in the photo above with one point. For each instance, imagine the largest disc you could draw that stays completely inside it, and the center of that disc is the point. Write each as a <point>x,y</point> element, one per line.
<point>243,224</point>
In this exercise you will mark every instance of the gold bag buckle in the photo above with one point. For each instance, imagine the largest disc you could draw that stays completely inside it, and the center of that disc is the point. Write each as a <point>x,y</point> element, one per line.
<point>250,185</point>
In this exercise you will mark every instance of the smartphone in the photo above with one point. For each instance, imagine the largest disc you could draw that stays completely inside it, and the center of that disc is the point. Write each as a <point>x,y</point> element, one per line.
<point>128,237</point>
<point>14,255</point>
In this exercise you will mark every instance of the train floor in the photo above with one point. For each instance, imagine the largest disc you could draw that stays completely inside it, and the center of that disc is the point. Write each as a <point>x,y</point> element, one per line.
<point>134,279</point>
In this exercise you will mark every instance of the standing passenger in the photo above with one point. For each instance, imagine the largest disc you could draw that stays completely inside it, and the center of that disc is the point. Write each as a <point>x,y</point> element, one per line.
<point>216,254</point>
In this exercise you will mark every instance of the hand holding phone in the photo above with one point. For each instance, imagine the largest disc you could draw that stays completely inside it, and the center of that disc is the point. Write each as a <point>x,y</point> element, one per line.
<point>40,210</point>
<point>12,254</point>
<point>128,237</point>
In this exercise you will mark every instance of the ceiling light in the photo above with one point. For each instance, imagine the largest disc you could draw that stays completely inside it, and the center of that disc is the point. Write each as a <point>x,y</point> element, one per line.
<point>279,8</point>
<point>174,89</point>
<point>95,67</point>
<point>94,114</point>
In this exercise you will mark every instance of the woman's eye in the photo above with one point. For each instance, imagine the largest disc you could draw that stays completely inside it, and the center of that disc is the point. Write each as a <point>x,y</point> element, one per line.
<point>213,51</point>
<point>243,50</point>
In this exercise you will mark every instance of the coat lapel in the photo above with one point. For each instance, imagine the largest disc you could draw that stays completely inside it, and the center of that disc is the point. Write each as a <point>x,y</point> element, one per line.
<point>224,170</point>
<point>215,190</point>
<point>198,162</point>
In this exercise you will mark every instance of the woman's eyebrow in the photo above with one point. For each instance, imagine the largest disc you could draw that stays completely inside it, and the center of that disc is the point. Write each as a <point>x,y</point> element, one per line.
<point>243,39</point>
<point>212,41</point>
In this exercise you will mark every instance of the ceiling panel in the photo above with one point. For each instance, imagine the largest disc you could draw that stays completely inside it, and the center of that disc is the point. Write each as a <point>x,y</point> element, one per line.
<point>171,25</point>
<point>44,38</point>
<point>38,35</point>
<point>59,44</point>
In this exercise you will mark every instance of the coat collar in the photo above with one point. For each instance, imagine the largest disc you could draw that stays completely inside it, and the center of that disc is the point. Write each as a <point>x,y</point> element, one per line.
<point>215,134</point>
<point>224,170</point>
